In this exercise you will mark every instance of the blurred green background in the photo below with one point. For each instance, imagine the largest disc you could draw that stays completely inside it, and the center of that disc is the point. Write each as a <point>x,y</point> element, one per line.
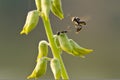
<point>18,52</point>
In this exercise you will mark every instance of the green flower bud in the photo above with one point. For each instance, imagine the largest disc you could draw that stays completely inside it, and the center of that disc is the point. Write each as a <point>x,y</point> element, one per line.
<point>38,4</point>
<point>40,68</point>
<point>31,21</point>
<point>57,8</point>
<point>56,40</point>
<point>46,5</point>
<point>43,49</point>
<point>56,68</point>
<point>71,47</point>
<point>64,43</point>
<point>57,43</point>
<point>78,50</point>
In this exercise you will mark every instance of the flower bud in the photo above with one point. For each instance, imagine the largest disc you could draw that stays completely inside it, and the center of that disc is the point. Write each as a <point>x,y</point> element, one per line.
<point>56,68</point>
<point>38,4</point>
<point>31,21</point>
<point>56,40</point>
<point>78,50</point>
<point>57,8</point>
<point>64,43</point>
<point>40,68</point>
<point>71,47</point>
<point>43,49</point>
<point>45,5</point>
<point>57,43</point>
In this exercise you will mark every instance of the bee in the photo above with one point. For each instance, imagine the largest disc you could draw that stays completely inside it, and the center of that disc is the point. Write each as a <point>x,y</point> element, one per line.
<point>78,23</point>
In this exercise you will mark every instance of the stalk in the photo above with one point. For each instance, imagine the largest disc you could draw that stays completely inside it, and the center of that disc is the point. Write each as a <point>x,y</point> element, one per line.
<point>55,51</point>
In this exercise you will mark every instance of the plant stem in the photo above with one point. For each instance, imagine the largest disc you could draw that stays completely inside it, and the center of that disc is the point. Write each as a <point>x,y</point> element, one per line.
<point>55,51</point>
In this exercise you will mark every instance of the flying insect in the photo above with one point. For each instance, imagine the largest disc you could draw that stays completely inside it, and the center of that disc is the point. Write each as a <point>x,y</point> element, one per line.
<point>78,23</point>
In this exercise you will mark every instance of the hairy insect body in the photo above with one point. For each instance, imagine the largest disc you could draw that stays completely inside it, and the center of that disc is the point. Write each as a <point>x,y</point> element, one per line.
<point>78,23</point>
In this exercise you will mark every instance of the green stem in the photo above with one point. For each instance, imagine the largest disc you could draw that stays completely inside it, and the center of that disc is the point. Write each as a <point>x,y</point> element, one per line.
<point>55,51</point>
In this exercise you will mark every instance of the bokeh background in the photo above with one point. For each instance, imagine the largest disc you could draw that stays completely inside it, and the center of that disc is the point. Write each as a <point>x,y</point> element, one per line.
<point>18,52</point>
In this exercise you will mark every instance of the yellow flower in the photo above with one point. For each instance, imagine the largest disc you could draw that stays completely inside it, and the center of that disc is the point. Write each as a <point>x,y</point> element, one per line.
<point>43,49</point>
<point>56,68</point>
<point>57,8</point>
<point>31,21</point>
<point>78,50</point>
<point>45,6</point>
<point>64,43</point>
<point>71,47</point>
<point>40,68</point>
